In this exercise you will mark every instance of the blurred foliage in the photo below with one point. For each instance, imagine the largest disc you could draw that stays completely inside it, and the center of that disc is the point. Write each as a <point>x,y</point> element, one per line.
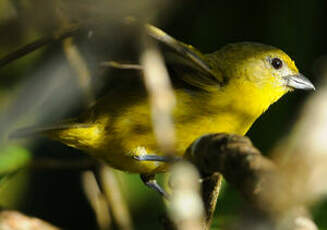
<point>13,180</point>
<point>13,158</point>
<point>296,26</point>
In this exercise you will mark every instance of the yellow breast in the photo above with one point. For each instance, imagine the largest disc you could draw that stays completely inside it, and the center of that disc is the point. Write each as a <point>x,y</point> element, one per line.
<point>116,139</point>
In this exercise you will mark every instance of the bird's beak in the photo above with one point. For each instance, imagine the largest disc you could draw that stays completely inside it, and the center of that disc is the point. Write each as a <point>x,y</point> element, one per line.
<point>299,81</point>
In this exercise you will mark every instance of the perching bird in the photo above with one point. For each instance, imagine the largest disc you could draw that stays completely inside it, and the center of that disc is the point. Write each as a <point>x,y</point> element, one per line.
<point>228,90</point>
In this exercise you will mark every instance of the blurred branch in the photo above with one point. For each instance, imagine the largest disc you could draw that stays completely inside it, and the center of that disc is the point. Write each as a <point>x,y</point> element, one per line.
<point>13,220</point>
<point>115,199</point>
<point>79,65</point>
<point>97,200</point>
<point>255,176</point>
<point>185,208</point>
<point>161,95</point>
<point>69,31</point>
<point>30,47</point>
<point>118,65</point>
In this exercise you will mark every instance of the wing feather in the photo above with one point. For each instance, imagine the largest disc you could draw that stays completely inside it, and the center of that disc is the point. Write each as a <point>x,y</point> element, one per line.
<point>188,62</point>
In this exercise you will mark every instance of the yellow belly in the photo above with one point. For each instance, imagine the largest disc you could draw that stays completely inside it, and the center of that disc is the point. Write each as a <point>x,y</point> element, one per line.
<point>115,139</point>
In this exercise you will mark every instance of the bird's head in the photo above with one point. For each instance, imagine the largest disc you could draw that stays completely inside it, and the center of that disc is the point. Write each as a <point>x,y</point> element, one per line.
<point>256,75</point>
<point>263,66</point>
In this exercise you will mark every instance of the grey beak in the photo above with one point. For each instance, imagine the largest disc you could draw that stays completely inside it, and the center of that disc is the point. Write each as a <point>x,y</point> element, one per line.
<point>299,81</point>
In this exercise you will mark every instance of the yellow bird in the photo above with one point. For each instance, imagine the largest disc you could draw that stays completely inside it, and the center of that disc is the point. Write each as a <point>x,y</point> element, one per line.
<point>226,91</point>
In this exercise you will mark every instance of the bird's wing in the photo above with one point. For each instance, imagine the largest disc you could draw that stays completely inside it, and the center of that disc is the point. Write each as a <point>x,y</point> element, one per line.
<point>189,63</point>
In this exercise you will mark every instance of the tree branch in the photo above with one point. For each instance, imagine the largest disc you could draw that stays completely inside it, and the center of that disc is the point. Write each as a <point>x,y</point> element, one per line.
<point>257,178</point>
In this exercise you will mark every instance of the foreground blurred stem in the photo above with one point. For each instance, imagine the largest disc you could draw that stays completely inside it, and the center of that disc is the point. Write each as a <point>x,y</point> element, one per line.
<point>13,220</point>
<point>162,97</point>
<point>79,65</point>
<point>97,200</point>
<point>111,188</point>
<point>118,65</point>
<point>185,208</point>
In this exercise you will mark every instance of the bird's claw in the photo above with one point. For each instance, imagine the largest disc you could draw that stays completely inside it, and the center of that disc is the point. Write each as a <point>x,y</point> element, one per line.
<point>156,158</point>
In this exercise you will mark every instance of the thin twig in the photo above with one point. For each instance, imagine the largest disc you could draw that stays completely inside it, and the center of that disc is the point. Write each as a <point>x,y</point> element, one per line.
<point>118,65</point>
<point>30,47</point>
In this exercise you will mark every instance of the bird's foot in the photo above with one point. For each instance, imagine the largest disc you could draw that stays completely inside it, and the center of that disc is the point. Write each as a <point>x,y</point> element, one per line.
<point>151,182</point>
<point>149,157</point>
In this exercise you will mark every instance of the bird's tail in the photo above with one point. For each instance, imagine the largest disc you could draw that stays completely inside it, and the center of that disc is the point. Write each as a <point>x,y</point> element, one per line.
<point>33,131</point>
<point>78,135</point>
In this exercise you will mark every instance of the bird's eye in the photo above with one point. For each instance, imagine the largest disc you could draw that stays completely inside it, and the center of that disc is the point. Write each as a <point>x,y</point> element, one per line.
<point>277,63</point>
